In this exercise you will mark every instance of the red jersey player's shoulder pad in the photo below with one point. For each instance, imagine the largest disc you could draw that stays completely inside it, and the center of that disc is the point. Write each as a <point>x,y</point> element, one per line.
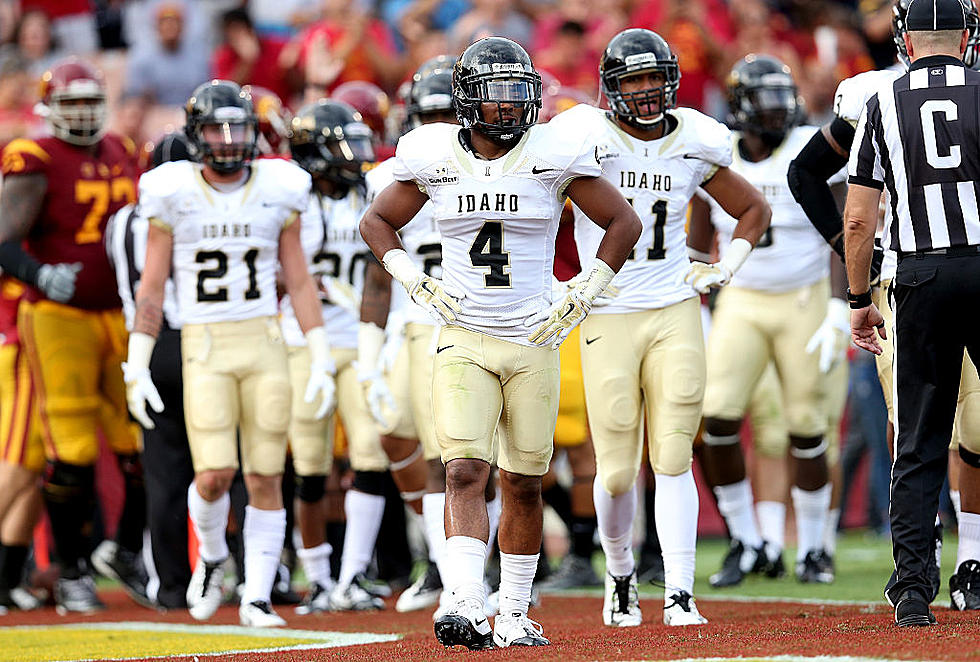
<point>24,156</point>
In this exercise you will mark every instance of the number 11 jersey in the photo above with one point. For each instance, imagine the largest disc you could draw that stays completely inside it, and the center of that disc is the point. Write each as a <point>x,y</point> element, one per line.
<point>225,244</point>
<point>498,218</point>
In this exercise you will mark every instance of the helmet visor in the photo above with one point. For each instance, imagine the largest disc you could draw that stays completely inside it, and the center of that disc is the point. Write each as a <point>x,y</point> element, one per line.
<point>517,91</point>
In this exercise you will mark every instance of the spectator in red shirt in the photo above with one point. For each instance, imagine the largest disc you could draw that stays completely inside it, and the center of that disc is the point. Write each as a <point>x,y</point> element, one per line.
<point>570,59</point>
<point>248,59</point>
<point>17,118</point>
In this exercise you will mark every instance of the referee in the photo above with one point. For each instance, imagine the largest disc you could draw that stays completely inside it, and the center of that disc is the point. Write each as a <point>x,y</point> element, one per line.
<point>917,139</point>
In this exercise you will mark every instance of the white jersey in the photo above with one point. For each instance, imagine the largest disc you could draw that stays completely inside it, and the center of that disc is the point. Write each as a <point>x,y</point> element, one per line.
<point>791,254</point>
<point>658,177</point>
<point>125,244</point>
<point>850,99</point>
<point>498,219</point>
<point>421,239</point>
<point>225,245</point>
<point>334,248</point>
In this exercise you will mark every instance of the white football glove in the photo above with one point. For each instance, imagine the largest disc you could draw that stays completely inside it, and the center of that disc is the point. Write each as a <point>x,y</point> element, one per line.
<point>341,294</point>
<point>702,277</point>
<point>322,371</point>
<point>377,395</point>
<point>441,301</point>
<point>394,336</point>
<point>140,390</point>
<point>833,336</point>
<point>560,288</point>
<point>57,281</point>
<point>552,326</point>
<point>370,342</point>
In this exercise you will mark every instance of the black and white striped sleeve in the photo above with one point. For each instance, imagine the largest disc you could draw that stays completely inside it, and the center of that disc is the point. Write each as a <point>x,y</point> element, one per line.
<point>864,165</point>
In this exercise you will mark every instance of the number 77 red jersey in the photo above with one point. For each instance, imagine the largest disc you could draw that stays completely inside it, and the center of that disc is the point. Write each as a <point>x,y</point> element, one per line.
<point>83,191</point>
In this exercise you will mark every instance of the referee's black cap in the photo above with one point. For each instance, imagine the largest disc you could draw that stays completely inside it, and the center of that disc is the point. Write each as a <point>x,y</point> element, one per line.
<point>171,147</point>
<point>933,15</point>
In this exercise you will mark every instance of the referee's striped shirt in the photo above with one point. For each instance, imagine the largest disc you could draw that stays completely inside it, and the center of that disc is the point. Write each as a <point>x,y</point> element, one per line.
<point>919,139</point>
<point>125,244</point>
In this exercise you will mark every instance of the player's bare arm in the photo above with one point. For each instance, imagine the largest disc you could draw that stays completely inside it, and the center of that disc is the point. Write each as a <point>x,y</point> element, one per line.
<point>605,205</point>
<point>391,210</point>
<point>740,200</point>
<point>297,279</point>
<point>700,231</point>
<point>376,296</point>
<point>149,296</point>
<point>20,204</point>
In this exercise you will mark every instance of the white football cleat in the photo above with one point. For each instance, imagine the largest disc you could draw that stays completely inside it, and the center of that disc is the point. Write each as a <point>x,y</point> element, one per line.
<point>621,605</point>
<point>517,630</point>
<point>682,611</point>
<point>423,593</point>
<point>464,624</point>
<point>259,614</point>
<point>204,591</point>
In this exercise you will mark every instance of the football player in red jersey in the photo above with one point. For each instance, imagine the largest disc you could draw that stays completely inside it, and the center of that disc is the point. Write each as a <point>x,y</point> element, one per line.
<point>373,104</point>
<point>58,192</point>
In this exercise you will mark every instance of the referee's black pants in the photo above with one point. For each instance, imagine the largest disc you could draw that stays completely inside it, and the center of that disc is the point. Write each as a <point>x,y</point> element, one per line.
<point>937,314</point>
<point>168,472</point>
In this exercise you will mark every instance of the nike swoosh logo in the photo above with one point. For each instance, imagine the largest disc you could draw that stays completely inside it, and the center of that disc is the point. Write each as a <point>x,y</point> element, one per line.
<point>425,286</point>
<point>589,341</point>
<point>480,622</point>
<point>439,349</point>
<point>535,170</point>
<point>691,156</point>
<point>571,309</point>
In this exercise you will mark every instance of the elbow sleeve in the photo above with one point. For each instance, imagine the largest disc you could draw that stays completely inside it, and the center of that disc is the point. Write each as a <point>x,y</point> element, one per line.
<point>807,179</point>
<point>16,262</point>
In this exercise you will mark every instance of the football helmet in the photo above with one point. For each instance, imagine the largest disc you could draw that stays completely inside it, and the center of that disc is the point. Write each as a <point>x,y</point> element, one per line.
<point>971,57</point>
<point>330,140</point>
<point>73,102</point>
<point>559,99</point>
<point>632,52</point>
<point>763,98</point>
<point>369,100</point>
<point>273,119</point>
<point>171,147</point>
<point>431,92</point>
<point>222,126</point>
<point>497,71</point>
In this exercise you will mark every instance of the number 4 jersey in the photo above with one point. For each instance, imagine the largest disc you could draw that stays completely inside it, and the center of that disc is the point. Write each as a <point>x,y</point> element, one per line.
<point>225,245</point>
<point>658,177</point>
<point>497,218</point>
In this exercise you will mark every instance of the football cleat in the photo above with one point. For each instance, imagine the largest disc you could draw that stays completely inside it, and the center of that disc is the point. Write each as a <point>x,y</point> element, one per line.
<point>317,600</point>
<point>681,610</point>
<point>76,596</point>
<point>126,567</point>
<point>738,561</point>
<point>964,586</point>
<point>423,593</point>
<point>810,571</point>
<point>259,614</point>
<point>573,572</point>
<point>376,588</point>
<point>464,624</point>
<point>354,598</point>
<point>621,605</point>
<point>826,564</point>
<point>204,591</point>
<point>517,630</point>
<point>769,564</point>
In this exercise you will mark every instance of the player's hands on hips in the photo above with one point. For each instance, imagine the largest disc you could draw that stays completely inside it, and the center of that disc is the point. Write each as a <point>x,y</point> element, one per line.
<point>607,296</point>
<point>140,391</point>
<point>832,337</point>
<point>702,277</point>
<point>865,323</point>
<point>552,326</point>
<point>57,281</point>
<point>441,301</point>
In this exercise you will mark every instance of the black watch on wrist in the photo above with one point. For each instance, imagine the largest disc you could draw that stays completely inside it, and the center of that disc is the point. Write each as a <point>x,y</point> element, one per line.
<point>858,301</point>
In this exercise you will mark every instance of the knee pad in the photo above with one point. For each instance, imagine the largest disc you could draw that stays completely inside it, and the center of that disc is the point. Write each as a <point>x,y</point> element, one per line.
<point>807,448</point>
<point>370,482</point>
<point>132,469</point>
<point>311,489</point>
<point>972,459</point>
<point>273,391</point>
<point>212,409</point>
<point>406,462</point>
<point>66,483</point>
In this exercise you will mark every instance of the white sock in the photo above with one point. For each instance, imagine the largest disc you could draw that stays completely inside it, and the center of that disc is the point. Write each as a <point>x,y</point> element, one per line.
<point>614,516</point>
<point>210,519</point>
<point>969,542</point>
<point>364,512</point>
<point>954,496</point>
<point>772,526</point>
<point>493,515</point>
<point>735,504</point>
<point>434,519</point>
<point>677,525</point>
<point>316,563</point>
<point>516,576</point>
<point>263,532</point>
<point>830,531</point>
<point>465,559</point>
<point>811,515</point>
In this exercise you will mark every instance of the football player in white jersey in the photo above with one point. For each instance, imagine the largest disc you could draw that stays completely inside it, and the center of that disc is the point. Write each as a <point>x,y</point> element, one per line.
<point>643,350</point>
<point>223,226</point>
<point>776,303</point>
<point>412,330</point>
<point>497,187</point>
<point>826,153</point>
<point>329,141</point>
